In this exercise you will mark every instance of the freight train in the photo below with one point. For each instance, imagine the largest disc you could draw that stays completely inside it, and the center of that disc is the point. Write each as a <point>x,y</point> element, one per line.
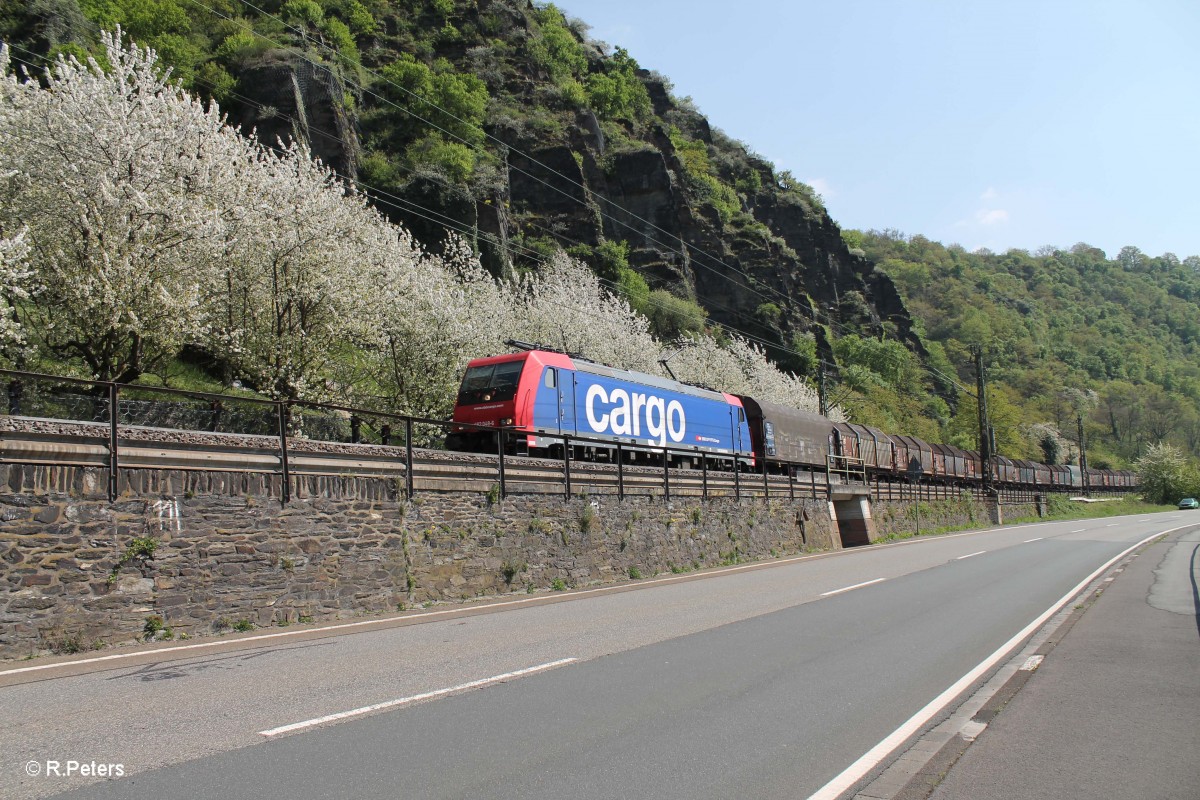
<point>546,401</point>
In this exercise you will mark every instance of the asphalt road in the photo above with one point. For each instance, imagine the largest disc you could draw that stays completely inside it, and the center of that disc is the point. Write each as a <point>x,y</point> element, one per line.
<point>751,683</point>
<point>1113,710</point>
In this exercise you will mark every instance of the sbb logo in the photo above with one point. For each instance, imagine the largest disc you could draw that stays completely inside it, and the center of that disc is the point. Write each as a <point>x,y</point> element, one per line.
<point>624,414</point>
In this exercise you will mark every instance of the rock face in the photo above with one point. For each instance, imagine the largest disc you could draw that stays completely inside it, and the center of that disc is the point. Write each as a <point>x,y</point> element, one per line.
<point>287,97</point>
<point>761,255</point>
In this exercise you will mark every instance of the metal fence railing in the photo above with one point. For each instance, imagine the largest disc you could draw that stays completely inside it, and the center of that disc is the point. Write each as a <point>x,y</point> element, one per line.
<point>281,427</point>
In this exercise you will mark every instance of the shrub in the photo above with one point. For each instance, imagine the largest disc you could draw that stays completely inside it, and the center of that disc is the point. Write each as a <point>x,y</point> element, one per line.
<point>618,93</point>
<point>307,11</point>
<point>672,316</point>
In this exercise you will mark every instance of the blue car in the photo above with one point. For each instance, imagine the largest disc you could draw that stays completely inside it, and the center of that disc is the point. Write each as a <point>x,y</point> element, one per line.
<point>1189,502</point>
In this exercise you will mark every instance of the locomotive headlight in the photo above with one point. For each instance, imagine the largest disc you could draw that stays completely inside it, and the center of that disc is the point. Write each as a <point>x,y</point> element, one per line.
<point>506,421</point>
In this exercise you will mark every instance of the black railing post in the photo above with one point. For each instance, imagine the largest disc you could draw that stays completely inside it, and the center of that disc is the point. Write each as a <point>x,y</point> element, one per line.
<point>766,485</point>
<point>216,407</point>
<point>791,482</point>
<point>113,462</point>
<point>737,480</point>
<point>14,397</point>
<point>666,475</point>
<point>704,477</point>
<point>500,463</point>
<point>812,481</point>
<point>620,473</point>
<point>567,464</point>
<point>408,453</point>
<point>284,410</point>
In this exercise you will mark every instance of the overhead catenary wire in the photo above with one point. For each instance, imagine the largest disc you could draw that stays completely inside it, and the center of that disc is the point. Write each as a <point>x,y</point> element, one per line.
<point>456,226</point>
<point>749,281</point>
<point>388,101</point>
<point>526,251</point>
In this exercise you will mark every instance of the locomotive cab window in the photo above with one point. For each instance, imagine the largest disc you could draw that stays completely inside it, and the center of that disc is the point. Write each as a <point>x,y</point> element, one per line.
<point>490,383</point>
<point>551,378</point>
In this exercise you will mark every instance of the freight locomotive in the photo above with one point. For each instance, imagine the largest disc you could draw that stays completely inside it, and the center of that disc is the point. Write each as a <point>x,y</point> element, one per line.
<point>545,401</point>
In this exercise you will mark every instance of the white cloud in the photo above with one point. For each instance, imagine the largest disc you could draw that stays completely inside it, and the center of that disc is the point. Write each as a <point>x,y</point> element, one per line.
<point>989,193</point>
<point>821,186</point>
<point>992,216</point>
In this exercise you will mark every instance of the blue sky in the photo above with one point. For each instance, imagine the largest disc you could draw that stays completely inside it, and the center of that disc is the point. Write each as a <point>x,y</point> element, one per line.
<point>1005,124</point>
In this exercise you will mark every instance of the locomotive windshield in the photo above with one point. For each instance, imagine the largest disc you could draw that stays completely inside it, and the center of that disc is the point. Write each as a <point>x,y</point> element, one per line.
<point>490,383</point>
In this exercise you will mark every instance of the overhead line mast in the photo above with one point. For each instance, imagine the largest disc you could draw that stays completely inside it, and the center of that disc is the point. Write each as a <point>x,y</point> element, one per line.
<point>985,426</point>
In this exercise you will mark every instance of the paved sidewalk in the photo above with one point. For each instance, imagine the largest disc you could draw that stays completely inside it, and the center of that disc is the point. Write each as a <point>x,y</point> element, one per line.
<point>1114,710</point>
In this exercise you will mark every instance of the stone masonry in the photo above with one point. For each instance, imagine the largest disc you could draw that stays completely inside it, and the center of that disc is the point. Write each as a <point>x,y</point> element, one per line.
<point>200,552</point>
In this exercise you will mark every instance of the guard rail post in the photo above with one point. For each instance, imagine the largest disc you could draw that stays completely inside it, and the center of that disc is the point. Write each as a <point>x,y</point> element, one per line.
<point>567,464</point>
<point>282,411</point>
<point>620,472</point>
<point>408,456</point>
<point>666,474</point>
<point>703,477</point>
<point>113,462</point>
<point>500,462</point>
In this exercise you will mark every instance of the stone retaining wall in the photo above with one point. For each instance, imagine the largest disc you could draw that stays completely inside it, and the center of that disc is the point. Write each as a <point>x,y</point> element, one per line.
<point>206,551</point>
<point>901,517</point>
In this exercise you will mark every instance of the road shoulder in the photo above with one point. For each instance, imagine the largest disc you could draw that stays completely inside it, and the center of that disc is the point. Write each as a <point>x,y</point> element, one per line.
<point>1103,706</point>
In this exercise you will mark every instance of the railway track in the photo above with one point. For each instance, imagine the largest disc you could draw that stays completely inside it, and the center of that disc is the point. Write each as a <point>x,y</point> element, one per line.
<point>35,441</point>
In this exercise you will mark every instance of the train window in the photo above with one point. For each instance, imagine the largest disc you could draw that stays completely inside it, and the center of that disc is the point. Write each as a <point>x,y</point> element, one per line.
<point>551,377</point>
<point>491,383</point>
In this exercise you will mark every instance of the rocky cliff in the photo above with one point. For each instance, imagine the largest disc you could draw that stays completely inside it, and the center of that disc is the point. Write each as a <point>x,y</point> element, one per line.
<point>502,119</point>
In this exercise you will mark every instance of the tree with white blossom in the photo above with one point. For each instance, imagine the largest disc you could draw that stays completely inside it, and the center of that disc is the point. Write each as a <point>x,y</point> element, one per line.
<point>114,170</point>
<point>14,288</point>
<point>563,306</point>
<point>151,224</point>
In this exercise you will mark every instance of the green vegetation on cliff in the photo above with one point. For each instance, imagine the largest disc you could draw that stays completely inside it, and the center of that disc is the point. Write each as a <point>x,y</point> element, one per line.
<point>1060,325</point>
<point>503,121</point>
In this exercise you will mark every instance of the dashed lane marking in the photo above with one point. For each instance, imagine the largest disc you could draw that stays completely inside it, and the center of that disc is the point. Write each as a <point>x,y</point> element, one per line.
<point>849,588</point>
<point>401,701</point>
<point>971,555</point>
<point>1038,539</point>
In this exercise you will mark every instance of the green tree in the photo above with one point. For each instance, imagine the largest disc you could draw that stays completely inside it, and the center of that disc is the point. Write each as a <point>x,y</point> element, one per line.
<point>451,101</point>
<point>617,92</point>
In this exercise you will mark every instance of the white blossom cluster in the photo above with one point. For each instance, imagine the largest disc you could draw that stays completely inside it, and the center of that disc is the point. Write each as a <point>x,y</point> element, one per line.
<point>14,279</point>
<point>149,224</point>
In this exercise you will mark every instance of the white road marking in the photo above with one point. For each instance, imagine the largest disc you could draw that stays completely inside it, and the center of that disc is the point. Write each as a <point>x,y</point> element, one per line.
<point>1079,530</point>
<point>848,588</point>
<point>1032,663</point>
<point>1112,524</point>
<point>1038,539</point>
<point>971,555</point>
<point>869,760</point>
<point>400,701</point>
